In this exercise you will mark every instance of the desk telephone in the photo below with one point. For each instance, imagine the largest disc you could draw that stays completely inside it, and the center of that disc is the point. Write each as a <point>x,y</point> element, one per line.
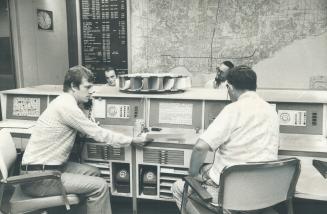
<point>88,106</point>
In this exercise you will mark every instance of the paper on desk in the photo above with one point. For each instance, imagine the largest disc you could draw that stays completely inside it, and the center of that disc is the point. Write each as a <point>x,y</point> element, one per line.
<point>99,109</point>
<point>311,181</point>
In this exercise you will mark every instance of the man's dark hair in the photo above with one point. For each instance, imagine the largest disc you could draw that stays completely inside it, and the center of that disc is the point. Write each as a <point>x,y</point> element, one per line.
<point>242,78</point>
<point>75,75</point>
<point>228,64</point>
<point>109,69</point>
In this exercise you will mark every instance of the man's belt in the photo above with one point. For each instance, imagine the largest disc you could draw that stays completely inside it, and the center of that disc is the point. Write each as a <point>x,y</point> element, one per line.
<point>35,167</point>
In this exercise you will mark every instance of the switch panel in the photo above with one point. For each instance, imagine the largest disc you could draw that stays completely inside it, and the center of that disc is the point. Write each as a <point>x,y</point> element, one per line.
<point>121,111</point>
<point>300,118</point>
<point>292,118</point>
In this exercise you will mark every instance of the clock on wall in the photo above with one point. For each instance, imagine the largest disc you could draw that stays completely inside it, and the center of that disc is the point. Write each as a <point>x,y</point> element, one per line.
<point>44,19</point>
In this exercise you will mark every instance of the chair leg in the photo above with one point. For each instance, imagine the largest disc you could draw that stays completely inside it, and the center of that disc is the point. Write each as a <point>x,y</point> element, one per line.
<point>184,199</point>
<point>290,206</point>
<point>220,210</point>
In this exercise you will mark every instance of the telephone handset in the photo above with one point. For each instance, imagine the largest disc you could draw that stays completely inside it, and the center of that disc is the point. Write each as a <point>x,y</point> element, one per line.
<point>220,77</point>
<point>88,106</point>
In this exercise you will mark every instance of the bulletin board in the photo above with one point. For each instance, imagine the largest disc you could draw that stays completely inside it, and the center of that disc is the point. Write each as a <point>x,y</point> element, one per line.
<point>104,36</point>
<point>176,114</point>
<point>25,107</point>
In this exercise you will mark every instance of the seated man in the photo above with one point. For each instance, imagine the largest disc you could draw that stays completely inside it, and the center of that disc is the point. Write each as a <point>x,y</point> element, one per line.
<point>111,77</point>
<point>52,140</point>
<point>246,130</point>
<point>220,79</point>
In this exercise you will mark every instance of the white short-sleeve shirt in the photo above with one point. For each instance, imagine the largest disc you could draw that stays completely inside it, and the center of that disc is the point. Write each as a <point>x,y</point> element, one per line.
<point>244,131</point>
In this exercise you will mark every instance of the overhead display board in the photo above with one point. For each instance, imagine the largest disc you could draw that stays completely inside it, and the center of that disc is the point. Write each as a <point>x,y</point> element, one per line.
<point>104,36</point>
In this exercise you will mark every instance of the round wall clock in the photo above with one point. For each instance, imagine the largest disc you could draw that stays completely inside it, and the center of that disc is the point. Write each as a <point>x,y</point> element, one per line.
<point>44,19</point>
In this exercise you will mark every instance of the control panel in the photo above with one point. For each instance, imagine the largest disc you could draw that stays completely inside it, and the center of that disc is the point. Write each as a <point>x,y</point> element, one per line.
<point>300,118</point>
<point>118,111</point>
<point>114,165</point>
<point>155,181</point>
<point>294,118</point>
<point>159,166</point>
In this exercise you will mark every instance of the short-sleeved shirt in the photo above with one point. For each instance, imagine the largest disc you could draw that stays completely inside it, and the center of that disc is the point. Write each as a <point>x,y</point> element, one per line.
<point>54,134</point>
<point>244,131</point>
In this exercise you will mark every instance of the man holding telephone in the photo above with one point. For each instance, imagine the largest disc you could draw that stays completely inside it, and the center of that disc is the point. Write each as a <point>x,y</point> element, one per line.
<point>52,140</point>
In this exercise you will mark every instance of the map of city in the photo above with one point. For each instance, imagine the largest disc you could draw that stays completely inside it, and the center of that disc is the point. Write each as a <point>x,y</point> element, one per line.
<point>199,34</point>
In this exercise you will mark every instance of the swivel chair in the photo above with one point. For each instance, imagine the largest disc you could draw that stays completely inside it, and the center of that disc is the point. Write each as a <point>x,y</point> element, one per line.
<point>20,202</point>
<point>248,188</point>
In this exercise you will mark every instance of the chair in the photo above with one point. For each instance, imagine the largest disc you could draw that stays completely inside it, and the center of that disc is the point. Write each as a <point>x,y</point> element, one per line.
<point>20,202</point>
<point>246,187</point>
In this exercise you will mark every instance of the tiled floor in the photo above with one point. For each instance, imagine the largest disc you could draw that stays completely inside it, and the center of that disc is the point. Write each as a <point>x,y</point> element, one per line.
<point>120,205</point>
<point>124,206</point>
<point>144,207</point>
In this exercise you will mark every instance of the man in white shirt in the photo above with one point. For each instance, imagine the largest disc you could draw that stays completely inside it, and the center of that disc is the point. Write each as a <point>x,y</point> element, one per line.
<point>220,79</point>
<point>52,140</point>
<point>246,130</point>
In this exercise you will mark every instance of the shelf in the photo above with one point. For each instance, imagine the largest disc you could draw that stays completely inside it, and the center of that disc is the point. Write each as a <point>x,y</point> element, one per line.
<point>121,194</point>
<point>168,178</point>
<point>166,184</point>
<point>173,170</point>
<point>148,196</point>
<point>105,172</point>
<point>98,165</point>
<point>166,196</point>
<point>165,191</point>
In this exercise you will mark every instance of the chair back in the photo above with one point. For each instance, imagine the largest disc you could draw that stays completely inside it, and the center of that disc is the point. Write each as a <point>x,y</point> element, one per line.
<point>259,185</point>
<point>7,153</point>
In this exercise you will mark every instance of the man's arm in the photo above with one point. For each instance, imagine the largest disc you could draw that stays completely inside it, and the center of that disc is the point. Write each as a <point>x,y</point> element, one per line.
<point>199,154</point>
<point>73,116</point>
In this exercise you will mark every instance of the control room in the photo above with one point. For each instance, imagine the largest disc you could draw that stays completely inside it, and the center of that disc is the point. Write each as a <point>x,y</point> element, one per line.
<point>163,106</point>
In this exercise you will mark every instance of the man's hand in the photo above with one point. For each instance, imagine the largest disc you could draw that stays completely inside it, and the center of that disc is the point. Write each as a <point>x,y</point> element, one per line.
<point>140,141</point>
<point>198,156</point>
<point>199,178</point>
